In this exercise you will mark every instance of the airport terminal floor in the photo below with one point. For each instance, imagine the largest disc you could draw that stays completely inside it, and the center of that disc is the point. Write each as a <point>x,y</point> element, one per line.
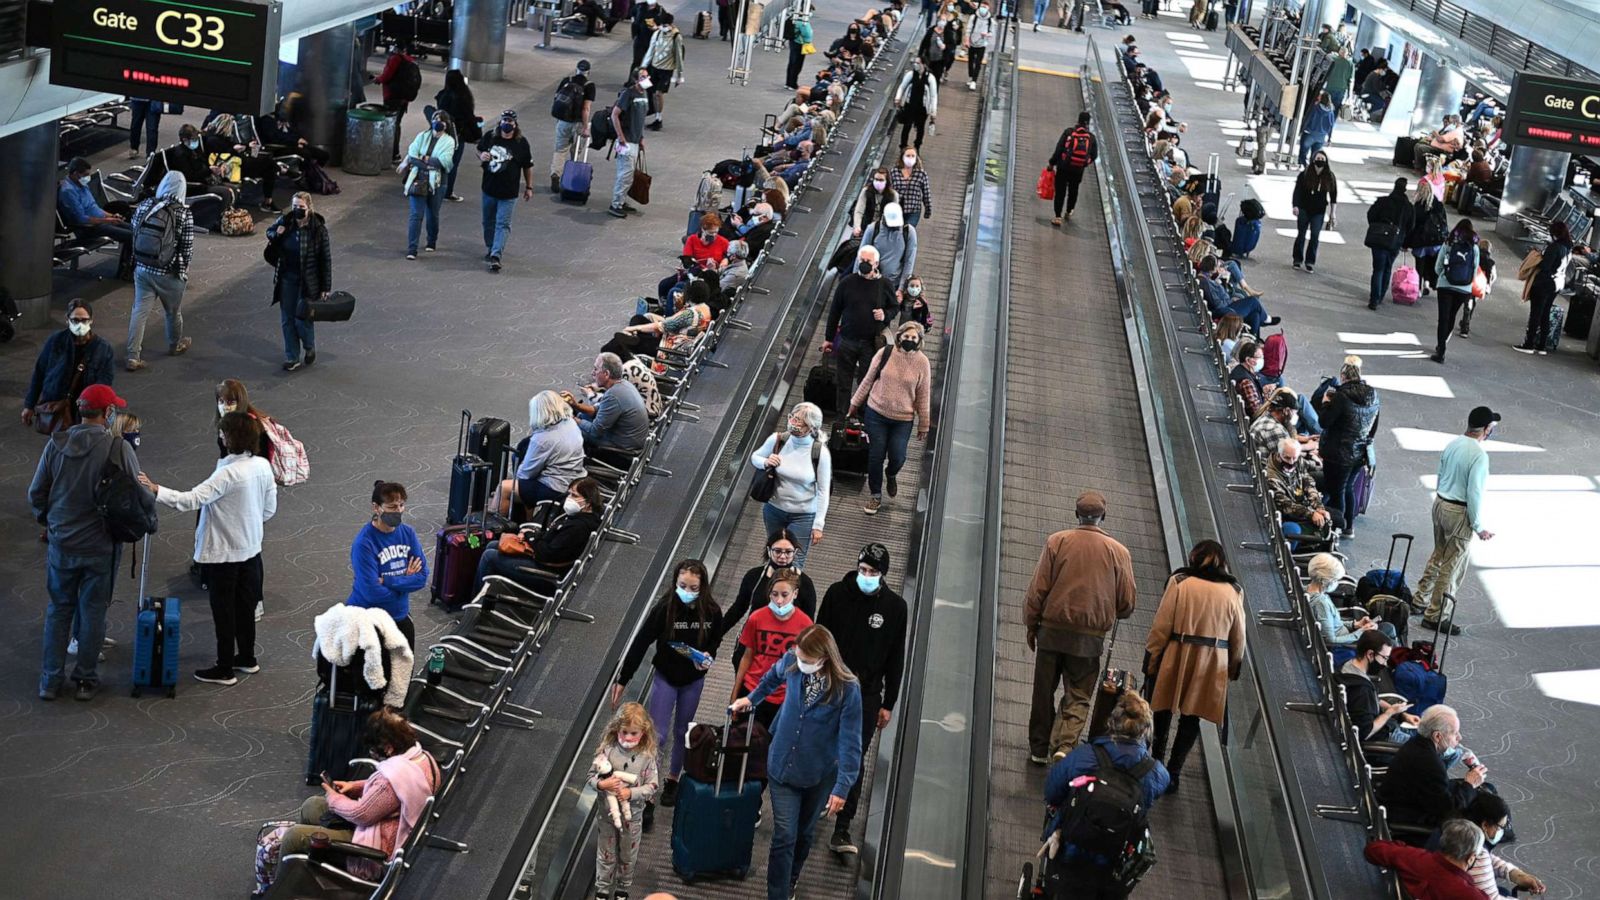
<point>162,797</point>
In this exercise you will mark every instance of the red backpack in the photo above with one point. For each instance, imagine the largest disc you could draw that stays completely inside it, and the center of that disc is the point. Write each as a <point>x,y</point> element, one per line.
<point>1274,355</point>
<point>1078,148</point>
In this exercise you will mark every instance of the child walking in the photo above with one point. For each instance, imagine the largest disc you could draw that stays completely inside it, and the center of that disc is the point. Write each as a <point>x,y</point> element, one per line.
<point>627,753</point>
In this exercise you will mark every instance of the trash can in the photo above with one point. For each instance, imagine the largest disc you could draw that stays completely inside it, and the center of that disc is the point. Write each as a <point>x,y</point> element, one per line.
<point>368,141</point>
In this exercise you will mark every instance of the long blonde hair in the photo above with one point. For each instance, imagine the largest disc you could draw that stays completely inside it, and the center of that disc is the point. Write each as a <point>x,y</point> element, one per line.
<point>818,643</point>
<point>633,717</point>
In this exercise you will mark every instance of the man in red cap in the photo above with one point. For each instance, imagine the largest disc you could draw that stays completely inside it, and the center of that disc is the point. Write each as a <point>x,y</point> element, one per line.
<point>1082,586</point>
<point>83,556</point>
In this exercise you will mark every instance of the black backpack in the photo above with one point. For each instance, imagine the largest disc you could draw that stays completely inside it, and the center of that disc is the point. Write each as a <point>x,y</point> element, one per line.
<point>155,241</point>
<point>600,130</point>
<point>1105,816</point>
<point>407,80</point>
<point>568,104</point>
<point>129,510</point>
<point>1458,267</point>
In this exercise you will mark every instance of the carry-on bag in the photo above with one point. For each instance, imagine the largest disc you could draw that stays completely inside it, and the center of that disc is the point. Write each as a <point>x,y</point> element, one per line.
<point>338,306</point>
<point>714,824</point>
<point>639,190</point>
<point>1211,192</point>
<point>1406,286</point>
<point>1246,235</point>
<point>155,636</point>
<point>1388,580</point>
<point>577,174</point>
<point>339,712</point>
<point>822,387</point>
<point>1405,151</point>
<point>488,439</point>
<point>469,478</point>
<point>847,447</point>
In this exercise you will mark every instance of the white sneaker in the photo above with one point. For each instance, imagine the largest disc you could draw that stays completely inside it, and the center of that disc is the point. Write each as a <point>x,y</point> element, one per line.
<point>972,85</point>
<point>260,610</point>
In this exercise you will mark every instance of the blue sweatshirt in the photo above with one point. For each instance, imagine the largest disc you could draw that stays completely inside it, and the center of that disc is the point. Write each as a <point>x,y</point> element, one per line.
<point>379,561</point>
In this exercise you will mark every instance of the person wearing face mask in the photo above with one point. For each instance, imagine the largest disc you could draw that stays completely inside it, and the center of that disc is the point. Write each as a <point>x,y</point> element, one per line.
<point>646,17</point>
<point>799,455</point>
<point>1308,525</point>
<point>781,553</point>
<point>754,226</point>
<point>234,503</point>
<point>547,549</point>
<point>427,170</point>
<point>896,243</point>
<point>1246,377</point>
<point>1491,814</point>
<point>767,635</point>
<point>571,131</point>
<point>1349,428</point>
<point>980,30</point>
<point>737,271</point>
<point>82,213</point>
<point>191,158</point>
<point>1317,130</point>
<point>910,183</point>
<point>154,282</point>
<point>551,457</point>
<point>686,618</point>
<point>875,194</point>
<point>914,307</point>
<point>506,158</point>
<point>70,361</point>
<point>1457,517</point>
<point>627,121</point>
<point>664,62</point>
<point>893,397</point>
<point>1374,718</point>
<point>815,757</point>
<point>800,35</point>
<point>301,253</point>
<point>1224,297</point>
<point>1417,788</point>
<point>862,304</point>
<point>1316,194</point>
<point>917,102</point>
<point>625,772</point>
<point>868,621</point>
<point>387,560</point>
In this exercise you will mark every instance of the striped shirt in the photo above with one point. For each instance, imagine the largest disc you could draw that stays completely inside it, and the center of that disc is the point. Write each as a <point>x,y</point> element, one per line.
<point>913,192</point>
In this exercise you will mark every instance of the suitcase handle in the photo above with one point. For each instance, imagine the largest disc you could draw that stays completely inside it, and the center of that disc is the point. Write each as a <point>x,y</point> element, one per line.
<point>461,439</point>
<point>1394,541</point>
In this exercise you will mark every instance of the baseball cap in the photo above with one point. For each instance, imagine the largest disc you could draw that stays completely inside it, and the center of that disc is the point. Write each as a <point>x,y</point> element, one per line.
<point>583,65</point>
<point>1091,503</point>
<point>1482,417</point>
<point>100,396</point>
<point>877,556</point>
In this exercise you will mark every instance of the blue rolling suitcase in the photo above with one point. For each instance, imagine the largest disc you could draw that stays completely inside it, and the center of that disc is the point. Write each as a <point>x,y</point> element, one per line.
<point>576,176</point>
<point>155,637</point>
<point>1246,235</point>
<point>714,825</point>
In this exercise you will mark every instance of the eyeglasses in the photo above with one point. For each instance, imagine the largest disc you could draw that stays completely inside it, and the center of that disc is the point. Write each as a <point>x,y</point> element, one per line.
<point>77,319</point>
<point>781,551</point>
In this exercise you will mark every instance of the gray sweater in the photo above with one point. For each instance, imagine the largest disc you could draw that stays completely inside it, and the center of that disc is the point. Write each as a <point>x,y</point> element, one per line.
<point>897,251</point>
<point>554,456</point>
<point>62,493</point>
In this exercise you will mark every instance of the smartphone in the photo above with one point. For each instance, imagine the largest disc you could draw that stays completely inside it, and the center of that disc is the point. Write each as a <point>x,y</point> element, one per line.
<point>325,778</point>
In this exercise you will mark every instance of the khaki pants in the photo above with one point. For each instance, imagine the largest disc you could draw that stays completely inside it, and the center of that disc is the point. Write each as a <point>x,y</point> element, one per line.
<point>1452,536</point>
<point>1049,731</point>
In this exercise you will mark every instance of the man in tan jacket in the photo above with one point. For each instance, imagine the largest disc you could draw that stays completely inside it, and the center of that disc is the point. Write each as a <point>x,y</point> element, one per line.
<point>1083,584</point>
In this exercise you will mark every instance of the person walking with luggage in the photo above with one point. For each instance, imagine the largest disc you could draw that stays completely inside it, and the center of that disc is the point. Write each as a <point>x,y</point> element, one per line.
<point>1081,587</point>
<point>1316,199</point>
<point>70,361</point>
<point>387,561</point>
<point>1195,647</point>
<point>862,305</point>
<point>1429,230</point>
<point>627,121</point>
<point>302,257</point>
<point>1076,150</point>
<point>1455,266</point>
<point>1349,426</point>
<point>664,62</point>
<point>685,628</point>
<point>624,768</point>
<point>917,103</point>
<point>571,109</point>
<point>81,566</point>
<point>767,635</point>
<point>427,170</point>
<point>1457,517</point>
<point>980,30</point>
<point>1389,221</point>
<point>164,225</point>
<point>868,622</point>
<point>892,398</point>
<point>506,159</point>
<point>799,455</point>
<point>815,755</point>
<point>1547,282</point>
<point>234,502</point>
<point>910,183</point>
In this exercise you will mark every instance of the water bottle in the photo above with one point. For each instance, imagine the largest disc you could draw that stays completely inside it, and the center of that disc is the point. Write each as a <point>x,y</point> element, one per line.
<point>435,665</point>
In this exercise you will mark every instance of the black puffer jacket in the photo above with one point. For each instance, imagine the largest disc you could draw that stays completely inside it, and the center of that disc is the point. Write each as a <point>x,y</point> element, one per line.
<point>1348,424</point>
<point>1429,227</point>
<point>316,255</point>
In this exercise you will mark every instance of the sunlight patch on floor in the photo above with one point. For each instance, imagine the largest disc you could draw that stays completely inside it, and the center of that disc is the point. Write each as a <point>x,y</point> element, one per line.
<point>1394,337</point>
<point>1554,597</point>
<point>1424,441</point>
<point>1420,385</point>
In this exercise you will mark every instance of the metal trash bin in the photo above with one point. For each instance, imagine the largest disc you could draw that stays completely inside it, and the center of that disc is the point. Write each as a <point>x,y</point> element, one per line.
<point>368,141</point>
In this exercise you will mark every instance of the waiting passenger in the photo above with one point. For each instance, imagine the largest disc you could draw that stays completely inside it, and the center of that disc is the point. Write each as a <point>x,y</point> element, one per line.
<point>69,362</point>
<point>190,158</point>
<point>1324,572</point>
<point>1296,498</point>
<point>82,213</point>
<point>1375,719</point>
<point>554,544</point>
<point>1417,789</point>
<point>1223,298</point>
<point>1246,377</point>
<point>737,271</point>
<point>792,172</point>
<point>1277,420</point>
<point>552,459</point>
<point>799,458</point>
<point>616,424</point>
<point>387,560</point>
<point>1434,875</point>
<point>220,137</point>
<point>1349,427</point>
<point>893,398</point>
<point>1493,816</point>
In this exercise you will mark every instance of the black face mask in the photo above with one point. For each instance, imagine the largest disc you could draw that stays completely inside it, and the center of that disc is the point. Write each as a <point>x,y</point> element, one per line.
<point>908,346</point>
<point>864,267</point>
<point>297,214</point>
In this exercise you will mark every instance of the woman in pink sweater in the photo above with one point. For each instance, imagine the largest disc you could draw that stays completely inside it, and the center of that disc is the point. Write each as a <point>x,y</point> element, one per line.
<point>384,807</point>
<point>894,395</point>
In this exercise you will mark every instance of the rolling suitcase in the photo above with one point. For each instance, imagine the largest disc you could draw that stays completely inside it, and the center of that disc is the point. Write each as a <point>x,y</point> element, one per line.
<point>847,446</point>
<point>1405,151</point>
<point>339,712</point>
<point>1388,580</point>
<point>1211,192</point>
<point>714,825</point>
<point>459,546</point>
<point>469,478</point>
<point>1212,20</point>
<point>702,25</point>
<point>488,439</point>
<point>1246,235</point>
<point>822,387</point>
<point>576,177</point>
<point>1113,682</point>
<point>155,636</point>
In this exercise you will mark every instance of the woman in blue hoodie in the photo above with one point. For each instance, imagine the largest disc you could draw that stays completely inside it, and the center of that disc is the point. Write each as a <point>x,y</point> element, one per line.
<point>387,559</point>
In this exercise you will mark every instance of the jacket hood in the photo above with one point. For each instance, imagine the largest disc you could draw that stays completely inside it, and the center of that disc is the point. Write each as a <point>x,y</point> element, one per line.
<point>80,440</point>
<point>1359,392</point>
<point>173,186</point>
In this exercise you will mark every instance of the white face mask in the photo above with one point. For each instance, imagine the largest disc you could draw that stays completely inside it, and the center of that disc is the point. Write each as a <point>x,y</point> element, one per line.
<point>879,184</point>
<point>910,161</point>
<point>571,506</point>
<point>225,408</point>
<point>627,743</point>
<point>807,668</point>
<point>644,84</point>
<point>1256,364</point>
<point>78,329</point>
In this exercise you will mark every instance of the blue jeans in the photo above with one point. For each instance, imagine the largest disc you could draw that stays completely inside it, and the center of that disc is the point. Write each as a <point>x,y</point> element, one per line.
<point>1247,308</point>
<point>297,333</point>
<point>913,219</point>
<point>795,811</point>
<point>150,288</point>
<point>146,114</point>
<point>423,207</point>
<point>887,438</point>
<point>1307,250</point>
<point>1382,270</point>
<point>799,523</point>
<point>1040,7</point>
<point>1309,145</point>
<point>497,223</point>
<point>81,586</point>
<point>1310,422</point>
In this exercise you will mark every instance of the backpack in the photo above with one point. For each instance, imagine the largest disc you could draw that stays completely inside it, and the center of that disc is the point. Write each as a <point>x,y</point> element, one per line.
<point>1275,355</point>
<point>568,103</point>
<point>1105,813</point>
<point>288,458</point>
<point>600,130</point>
<point>316,178</point>
<point>1458,267</point>
<point>155,241</point>
<point>407,80</point>
<point>1077,148</point>
<point>1252,209</point>
<point>129,511</point>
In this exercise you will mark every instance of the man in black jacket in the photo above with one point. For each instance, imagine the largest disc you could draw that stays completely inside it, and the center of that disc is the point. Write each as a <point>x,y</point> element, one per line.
<point>189,157</point>
<point>1417,789</point>
<point>868,621</point>
<point>1377,720</point>
<point>861,307</point>
<point>1389,220</point>
<point>1074,152</point>
<point>1349,424</point>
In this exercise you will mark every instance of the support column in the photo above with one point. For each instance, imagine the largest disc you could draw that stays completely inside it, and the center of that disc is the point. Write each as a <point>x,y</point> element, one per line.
<point>27,219</point>
<point>1535,177</point>
<point>323,78</point>
<point>478,38</point>
<point>1439,92</point>
<point>1371,33</point>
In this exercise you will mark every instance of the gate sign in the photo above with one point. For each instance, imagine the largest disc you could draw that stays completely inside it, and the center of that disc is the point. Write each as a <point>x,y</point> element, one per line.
<point>1554,114</point>
<point>212,54</point>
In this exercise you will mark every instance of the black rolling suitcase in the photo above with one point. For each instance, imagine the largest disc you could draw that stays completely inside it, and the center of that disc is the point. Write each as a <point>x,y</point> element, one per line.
<point>1405,151</point>
<point>339,712</point>
<point>488,439</point>
<point>1213,20</point>
<point>847,447</point>
<point>1211,191</point>
<point>822,387</point>
<point>469,478</point>
<point>1113,682</point>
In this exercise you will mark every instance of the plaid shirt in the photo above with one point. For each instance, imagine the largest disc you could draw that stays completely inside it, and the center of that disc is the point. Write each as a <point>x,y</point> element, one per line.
<point>180,260</point>
<point>1294,492</point>
<point>913,192</point>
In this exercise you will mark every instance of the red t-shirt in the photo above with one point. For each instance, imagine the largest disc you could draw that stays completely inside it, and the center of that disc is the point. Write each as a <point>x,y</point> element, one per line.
<point>702,251</point>
<point>766,638</point>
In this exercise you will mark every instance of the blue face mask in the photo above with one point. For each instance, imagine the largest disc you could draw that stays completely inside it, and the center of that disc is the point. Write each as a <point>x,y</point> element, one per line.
<point>688,596</point>
<point>781,612</point>
<point>869,584</point>
<point>438,126</point>
<point>192,145</point>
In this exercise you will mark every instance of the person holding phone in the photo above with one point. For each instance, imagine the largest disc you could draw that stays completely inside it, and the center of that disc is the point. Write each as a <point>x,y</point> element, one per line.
<point>1375,718</point>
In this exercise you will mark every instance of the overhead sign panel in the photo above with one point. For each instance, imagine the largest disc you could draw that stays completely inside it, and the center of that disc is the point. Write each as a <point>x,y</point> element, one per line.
<point>1554,114</point>
<point>212,54</point>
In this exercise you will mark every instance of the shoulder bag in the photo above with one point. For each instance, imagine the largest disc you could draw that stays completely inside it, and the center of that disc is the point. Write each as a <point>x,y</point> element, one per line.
<point>765,482</point>
<point>51,416</point>
<point>422,184</point>
<point>639,191</point>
